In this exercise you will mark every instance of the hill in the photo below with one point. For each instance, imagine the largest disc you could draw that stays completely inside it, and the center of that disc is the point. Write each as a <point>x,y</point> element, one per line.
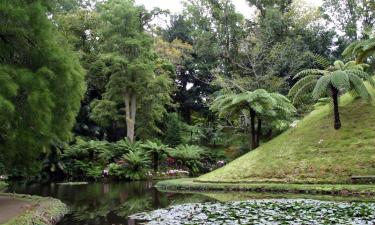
<point>313,152</point>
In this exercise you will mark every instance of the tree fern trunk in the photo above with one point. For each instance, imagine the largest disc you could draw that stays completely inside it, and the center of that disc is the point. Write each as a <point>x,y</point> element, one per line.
<point>252,125</point>
<point>335,97</point>
<point>155,161</point>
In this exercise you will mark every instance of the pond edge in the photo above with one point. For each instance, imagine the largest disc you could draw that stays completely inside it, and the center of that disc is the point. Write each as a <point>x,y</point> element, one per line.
<point>45,210</point>
<point>323,189</point>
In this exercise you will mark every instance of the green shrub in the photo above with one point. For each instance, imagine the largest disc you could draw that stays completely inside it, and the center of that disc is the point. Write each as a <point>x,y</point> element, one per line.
<point>156,150</point>
<point>136,164</point>
<point>122,147</point>
<point>116,171</point>
<point>188,156</point>
<point>88,150</point>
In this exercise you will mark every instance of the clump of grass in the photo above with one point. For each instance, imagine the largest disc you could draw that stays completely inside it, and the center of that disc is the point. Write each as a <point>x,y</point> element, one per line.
<point>45,211</point>
<point>314,152</point>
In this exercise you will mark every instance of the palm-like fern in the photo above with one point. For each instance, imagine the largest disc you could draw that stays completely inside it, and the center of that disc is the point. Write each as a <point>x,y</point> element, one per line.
<point>333,81</point>
<point>258,103</point>
<point>156,150</point>
<point>360,49</point>
<point>188,156</point>
<point>135,163</point>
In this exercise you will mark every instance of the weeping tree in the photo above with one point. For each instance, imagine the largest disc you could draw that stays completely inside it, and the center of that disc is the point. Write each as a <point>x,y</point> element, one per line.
<point>360,49</point>
<point>257,103</point>
<point>332,82</point>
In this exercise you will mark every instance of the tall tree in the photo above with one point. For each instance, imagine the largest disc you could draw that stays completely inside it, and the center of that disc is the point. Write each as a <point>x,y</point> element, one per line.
<point>41,82</point>
<point>280,43</point>
<point>130,64</point>
<point>352,17</point>
<point>207,24</point>
<point>262,5</point>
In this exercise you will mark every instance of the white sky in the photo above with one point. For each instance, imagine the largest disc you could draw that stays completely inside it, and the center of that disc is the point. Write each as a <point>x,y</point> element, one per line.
<point>175,6</point>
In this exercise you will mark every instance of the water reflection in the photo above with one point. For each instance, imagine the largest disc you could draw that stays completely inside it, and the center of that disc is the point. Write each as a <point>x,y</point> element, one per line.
<point>107,203</point>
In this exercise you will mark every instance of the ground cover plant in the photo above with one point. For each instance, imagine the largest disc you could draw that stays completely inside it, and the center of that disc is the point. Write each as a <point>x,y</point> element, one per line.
<point>271,211</point>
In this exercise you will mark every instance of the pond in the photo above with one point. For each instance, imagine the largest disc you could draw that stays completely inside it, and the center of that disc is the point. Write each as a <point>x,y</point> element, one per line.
<point>106,203</point>
<point>112,203</point>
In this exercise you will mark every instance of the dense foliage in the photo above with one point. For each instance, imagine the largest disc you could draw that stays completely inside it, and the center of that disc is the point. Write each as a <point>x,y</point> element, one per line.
<point>41,83</point>
<point>207,79</point>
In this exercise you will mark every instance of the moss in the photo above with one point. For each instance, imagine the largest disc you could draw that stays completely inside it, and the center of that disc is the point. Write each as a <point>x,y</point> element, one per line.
<point>331,189</point>
<point>45,211</point>
<point>313,152</point>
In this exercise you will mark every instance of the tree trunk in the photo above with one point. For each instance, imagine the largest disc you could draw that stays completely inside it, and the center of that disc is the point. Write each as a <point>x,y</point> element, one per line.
<point>252,125</point>
<point>335,97</point>
<point>155,159</point>
<point>259,131</point>
<point>130,108</point>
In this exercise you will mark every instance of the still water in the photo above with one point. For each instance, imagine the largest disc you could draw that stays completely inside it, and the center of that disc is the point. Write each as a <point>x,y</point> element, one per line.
<point>107,203</point>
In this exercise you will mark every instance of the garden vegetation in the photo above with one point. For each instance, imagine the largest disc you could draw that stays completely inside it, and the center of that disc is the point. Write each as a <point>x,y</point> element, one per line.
<point>94,90</point>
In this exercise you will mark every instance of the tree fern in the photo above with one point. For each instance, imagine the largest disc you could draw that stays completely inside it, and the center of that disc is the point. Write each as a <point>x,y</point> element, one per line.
<point>360,49</point>
<point>321,60</point>
<point>258,103</point>
<point>156,150</point>
<point>333,81</point>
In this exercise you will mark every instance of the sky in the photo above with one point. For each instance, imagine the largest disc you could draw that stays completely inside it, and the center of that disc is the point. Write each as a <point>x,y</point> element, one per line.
<point>175,6</point>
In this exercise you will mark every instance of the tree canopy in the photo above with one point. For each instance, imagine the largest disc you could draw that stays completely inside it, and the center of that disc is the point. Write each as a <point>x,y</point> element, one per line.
<point>41,82</point>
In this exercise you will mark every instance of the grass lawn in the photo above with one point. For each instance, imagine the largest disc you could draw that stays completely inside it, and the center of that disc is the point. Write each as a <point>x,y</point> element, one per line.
<point>313,152</point>
<point>332,189</point>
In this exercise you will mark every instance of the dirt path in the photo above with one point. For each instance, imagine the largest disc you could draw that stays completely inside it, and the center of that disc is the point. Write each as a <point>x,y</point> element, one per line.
<point>11,207</point>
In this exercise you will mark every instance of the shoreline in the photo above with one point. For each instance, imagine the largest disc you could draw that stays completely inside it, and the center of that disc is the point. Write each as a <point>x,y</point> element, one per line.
<point>322,189</point>
<point>39,210</point>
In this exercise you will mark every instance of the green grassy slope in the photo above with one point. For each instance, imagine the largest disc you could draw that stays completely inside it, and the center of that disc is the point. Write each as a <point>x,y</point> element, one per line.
<point>312,152</point>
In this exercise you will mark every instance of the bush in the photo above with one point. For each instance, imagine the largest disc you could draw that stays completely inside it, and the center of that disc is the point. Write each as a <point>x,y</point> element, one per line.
<point>116,171</point>
<point>135,164</point>
<point>156,150</point>
<point>87,159</point>
<point>188,156</point>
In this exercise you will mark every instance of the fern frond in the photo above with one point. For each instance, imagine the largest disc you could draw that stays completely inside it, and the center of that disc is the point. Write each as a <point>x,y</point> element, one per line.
<point>339,65</point>
<point>301,83</point>
<point>321,60</point>
<point>359,87</point>
<point>321,87</point>
<point>350,49</point>
<point>309,72</point>
<point>340,80</point>
<point>303,91</point>
<point>363,75</point>
<point>369,44</point>
<point>360,49</point>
